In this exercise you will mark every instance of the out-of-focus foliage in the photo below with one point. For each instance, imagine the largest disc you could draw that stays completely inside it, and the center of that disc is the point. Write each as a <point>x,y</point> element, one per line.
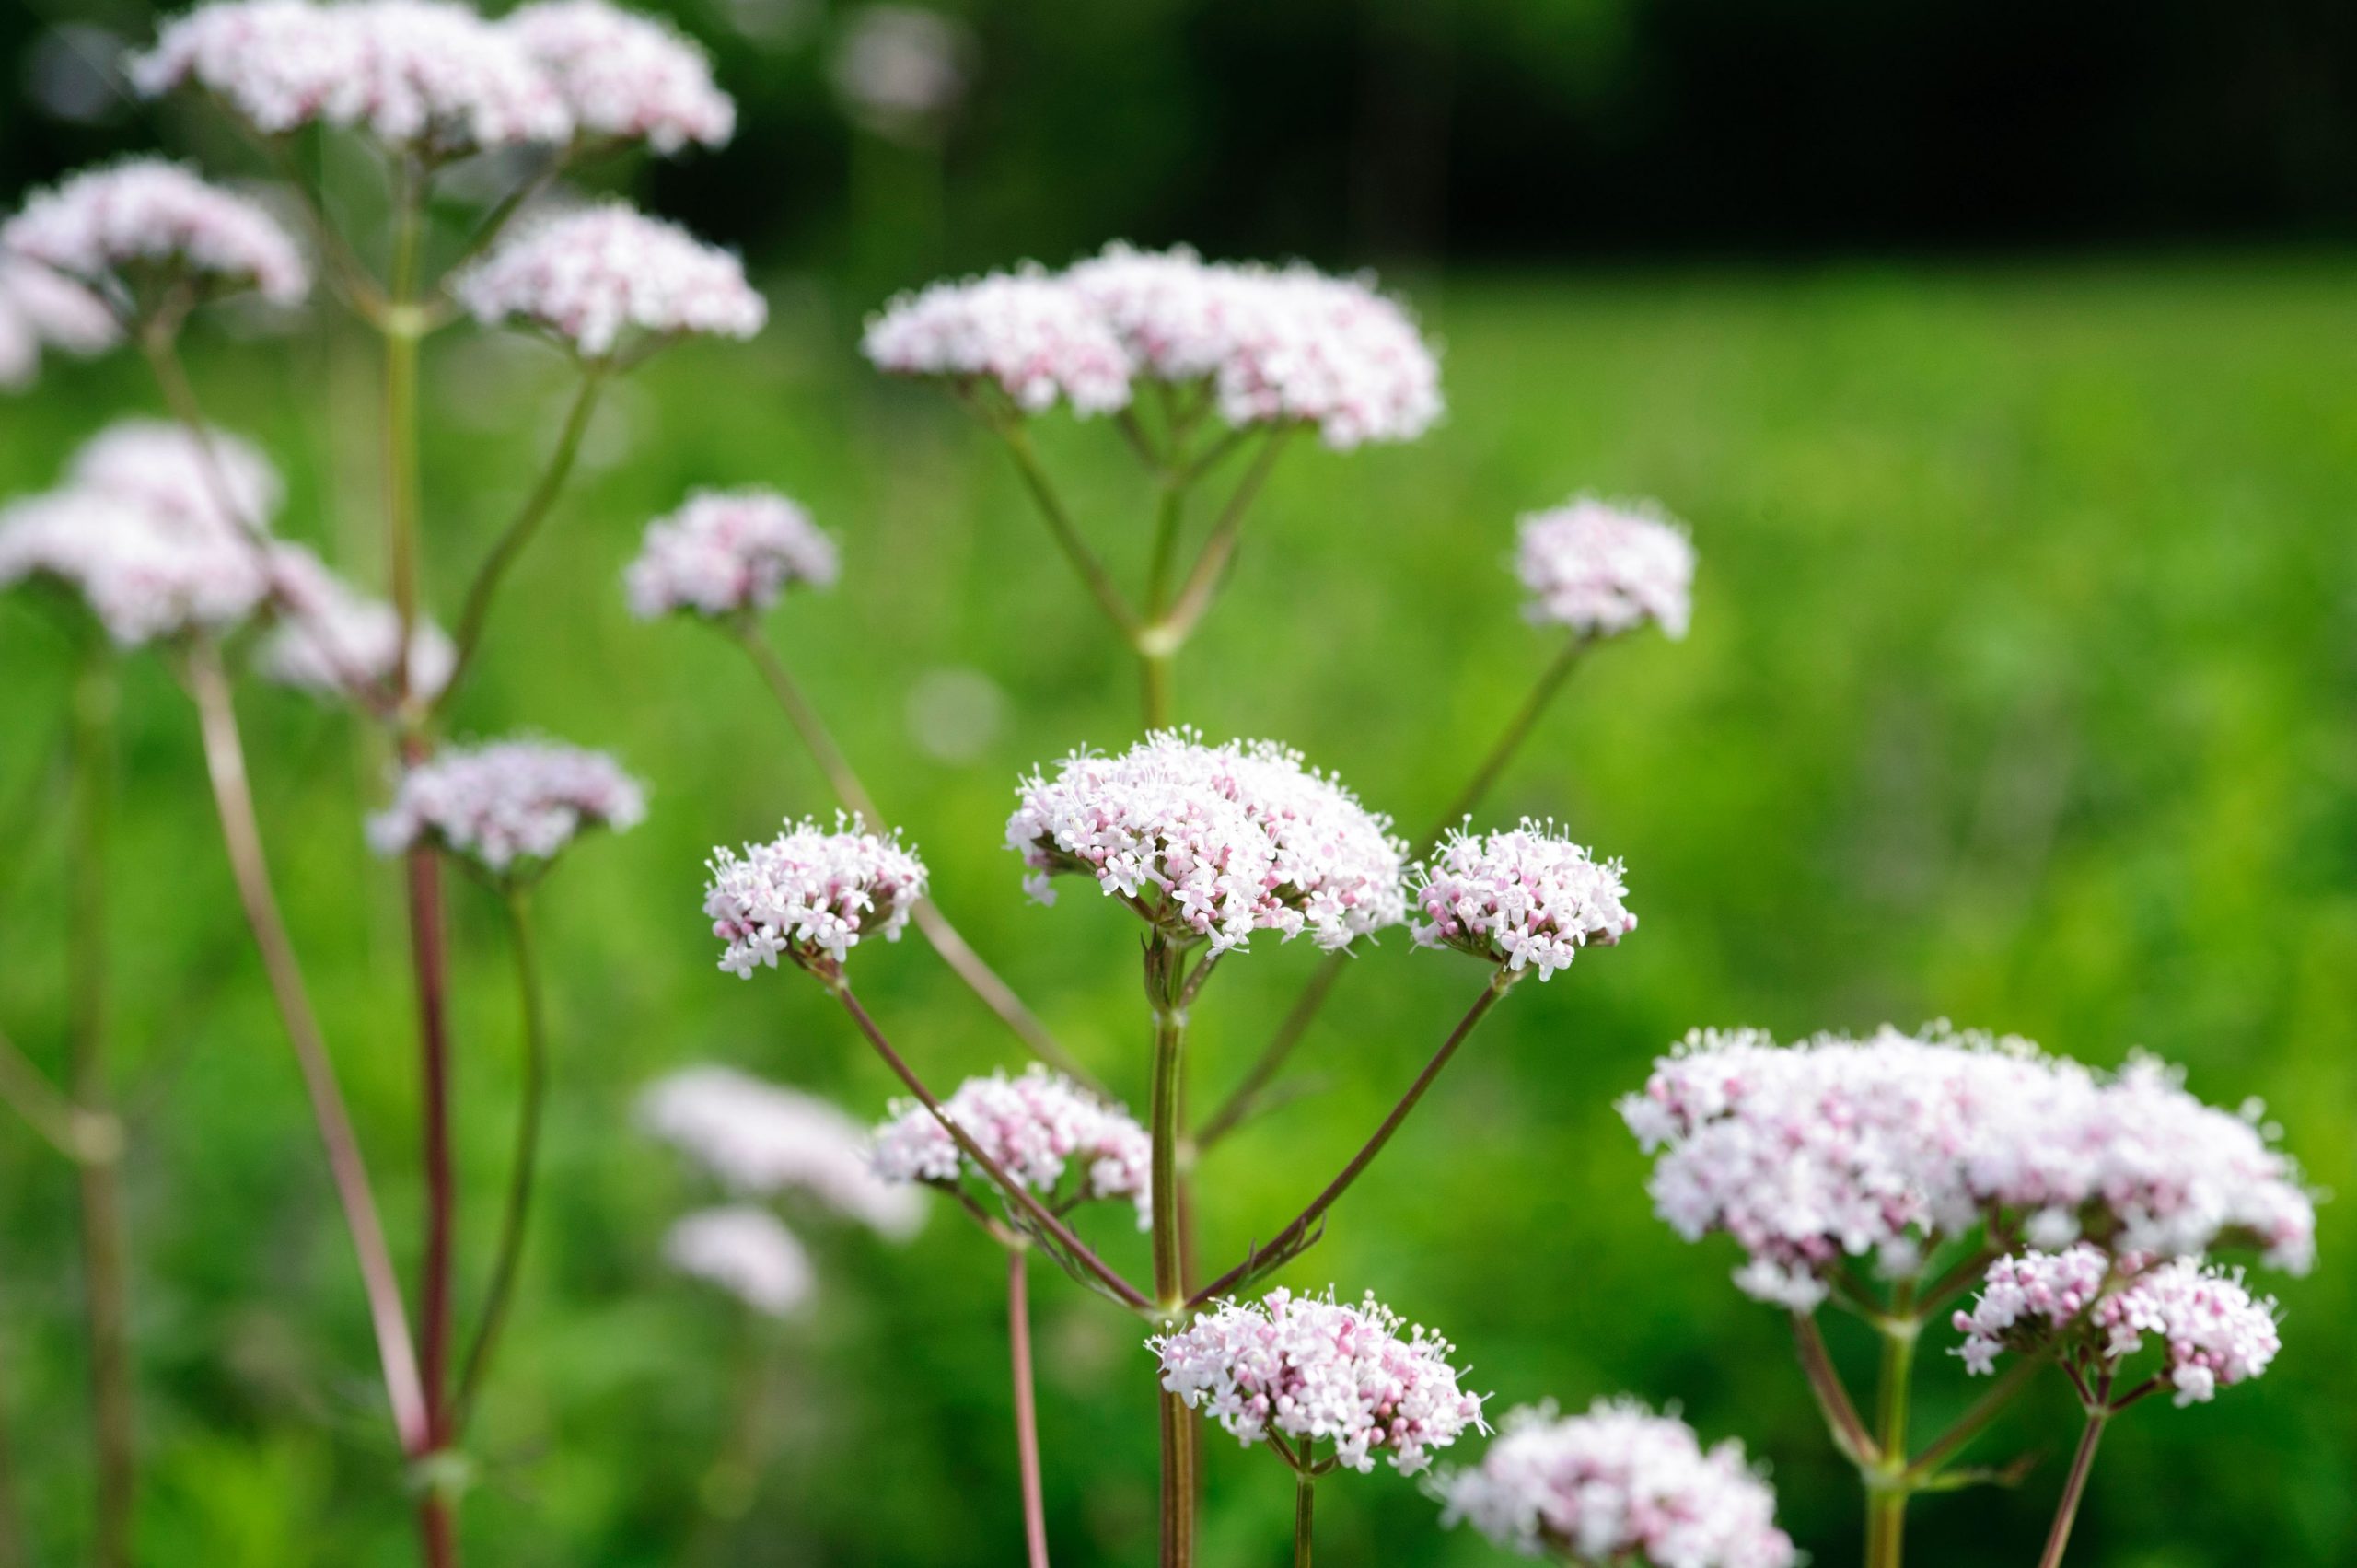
<point>2022,689</point>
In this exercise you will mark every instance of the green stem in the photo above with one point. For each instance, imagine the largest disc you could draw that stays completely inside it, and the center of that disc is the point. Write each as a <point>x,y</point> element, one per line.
<point>402,333</point>
<point>1203,579</point>
<point>515,1219</point>
<point>1509,741</point>
<point>1165,966</point>
<point>2066,1514</point>
<point>1093,576</point>
<point>1888,1485</point>
<point>1968,1427</point>
<point>77,1134</point>
<point>1026,1414</point>
<point>521,527</point>
<point>106,1297</point>
<point>1305,1503</point>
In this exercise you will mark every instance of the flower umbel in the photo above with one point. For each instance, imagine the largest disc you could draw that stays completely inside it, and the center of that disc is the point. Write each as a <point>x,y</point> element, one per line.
<point>1037,1128</point>
<point>510,806</point>
<point>727,551</point>
<point>1615,1486</point>
<point>136,230</point>
<point>1604,567</point>
<point>747,1252</point>
<point>38,311</point>
<point>625,78</point>
<point>1214,842</point>
<point>1031,335</point>
<point>810,895</point>
<point>1303,1370</point>
<point>1524,898</point>
<point>607,279</point>
<point>330,638</point>
<point>762,1139</point>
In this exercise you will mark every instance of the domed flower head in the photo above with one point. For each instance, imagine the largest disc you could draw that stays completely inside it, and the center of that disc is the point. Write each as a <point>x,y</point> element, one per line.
<point>1302,1370</point>
<point>728,553</point>
<point>219,485</point>
<point>1033,336</point>
<point>810,895</point>
<point>1278,345</point>
<point>508,808</point>
<point>609,282</point>
<point>145,235</point>
<point>1603,567</point>
<point>426,76</point>
<point>1617,1486</point>
<point>2098,1312</point>
<point>747,1252</point>
<point>761,1140</point>
<point>1214,842</point>
<point>40,309</point>
<point>1527,898</point>
<point>332,639</point>
<point>1036,1128</point>
<point>1835,1149</point>
<point>625,78</point>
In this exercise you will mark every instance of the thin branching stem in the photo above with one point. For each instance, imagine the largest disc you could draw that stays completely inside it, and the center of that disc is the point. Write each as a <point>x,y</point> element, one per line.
<point>1841,1418</point>
<point>1027,1414</point>
<point>2074,1487</point>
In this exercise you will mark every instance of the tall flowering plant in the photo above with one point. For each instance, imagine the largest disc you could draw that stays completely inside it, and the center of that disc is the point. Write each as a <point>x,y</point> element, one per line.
<point>1889,1178</point>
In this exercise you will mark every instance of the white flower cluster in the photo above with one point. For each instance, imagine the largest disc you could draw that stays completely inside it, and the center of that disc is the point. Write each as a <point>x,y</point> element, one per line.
<point>1273,344</point>
<point>1029,332</point>
<point>747,1252</point>
<point>594,275</point>
<point>810,895</point>
<point>510,806</point>
<point>1035,1128</point>
<point>1311,1371</point>
<point>761,1140</point>
<point>1617,1486</point>
<point>1214,842</point>
<point>139,535</point>
<point>1837,1148</point>
<point>428,76</point>
<point>626,76</point>
<point>332,639</point>
<point>40,309</point>
<point>727,552</point>
<point>143,219</point>
<point>1526,899</point>
<point>2213,1333</point>
<point>1603,567</point>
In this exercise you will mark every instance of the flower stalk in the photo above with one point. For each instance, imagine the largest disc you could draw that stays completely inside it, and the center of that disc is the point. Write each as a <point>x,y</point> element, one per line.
<point>1026,1414</point>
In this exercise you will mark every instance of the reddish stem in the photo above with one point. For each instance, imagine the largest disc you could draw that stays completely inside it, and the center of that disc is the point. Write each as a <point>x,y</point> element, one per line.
<point>1026,1414</point>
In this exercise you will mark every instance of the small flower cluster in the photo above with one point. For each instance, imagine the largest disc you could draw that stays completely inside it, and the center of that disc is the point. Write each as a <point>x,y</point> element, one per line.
<point>139,533</point>
<point>112,229</point>
<point>1035,1128</point>
<point>593,276</point>
<point>1602,567</point>
<point>1215,842</point>
<point>1839,1149</point>
<point>761,1140</point>
<point>2213,1332</point>
<point>810,895</point>
<point>1309,1371</point>
<point>428,76</point>
<point>747,1252</point>
<point>726,553</point>
<point>38,311</point>
<point>509,807</point>
<point>1276,346</point>
<point>1527,898</point>
<point>330,638</point>
<point>1615,1486</point>
<point>626,77</point>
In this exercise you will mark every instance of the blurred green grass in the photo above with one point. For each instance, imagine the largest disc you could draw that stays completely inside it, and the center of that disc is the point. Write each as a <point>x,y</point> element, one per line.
<point>2022,690</point>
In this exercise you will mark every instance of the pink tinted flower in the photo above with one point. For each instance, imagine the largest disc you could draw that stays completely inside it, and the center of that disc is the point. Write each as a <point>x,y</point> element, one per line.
<point>810,895</point>
<point>143,580</point>
<point>747,1252</point>
<point>1033,335</point>
<point>219,485</point>
<point>2213,1333</point>
<point>40,309</point>
<point>330,638</point>
<point>1036,1128</point>
<point>1278,344</point>
<point>1214,842</point>
<point>595,276</point>
<point>510,806</point>
<point>626,76</point>
<point>1837,1148</point>
<point>1311,1371</point>
<point>1615,1486</point>
<point>145,222</point>
<point>726,553</point>
<point>426,76</point>
<point>1527,898</point>
<point>763,1139</point>
<point>1603,567</point>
